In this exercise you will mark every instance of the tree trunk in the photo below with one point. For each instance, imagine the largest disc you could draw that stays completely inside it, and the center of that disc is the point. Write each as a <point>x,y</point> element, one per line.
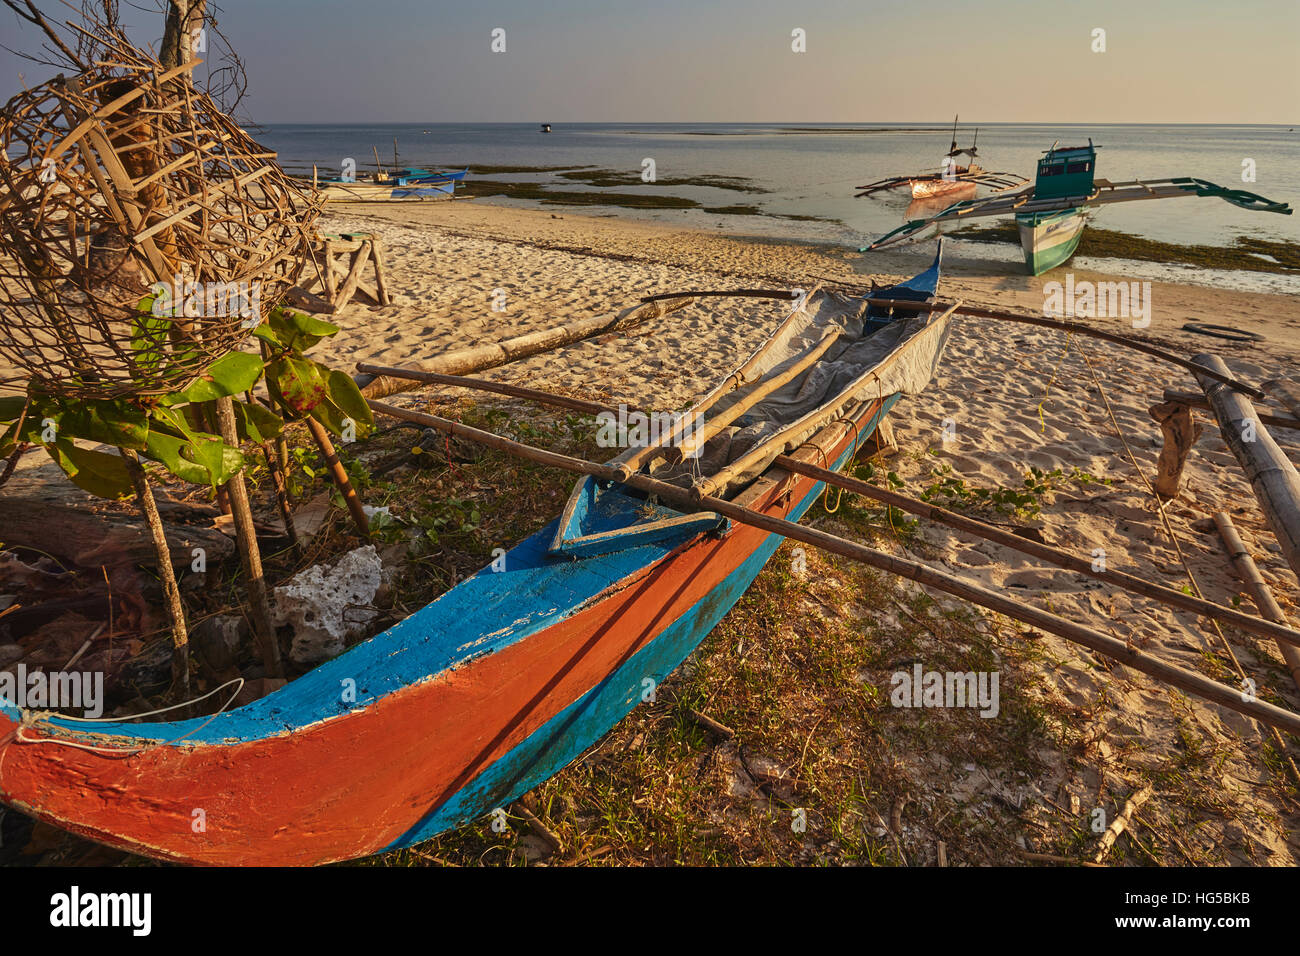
<point>184,20</point>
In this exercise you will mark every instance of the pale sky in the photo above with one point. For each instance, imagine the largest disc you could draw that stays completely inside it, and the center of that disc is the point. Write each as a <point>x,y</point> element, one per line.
<point>376,61</point>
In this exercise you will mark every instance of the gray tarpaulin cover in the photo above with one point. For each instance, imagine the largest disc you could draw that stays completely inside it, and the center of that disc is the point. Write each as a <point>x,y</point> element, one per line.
<point>900,357</point>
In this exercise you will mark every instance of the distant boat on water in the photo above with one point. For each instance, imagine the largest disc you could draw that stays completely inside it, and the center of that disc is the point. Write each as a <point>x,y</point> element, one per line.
<point>1050,214</point>
<point>546,127</point>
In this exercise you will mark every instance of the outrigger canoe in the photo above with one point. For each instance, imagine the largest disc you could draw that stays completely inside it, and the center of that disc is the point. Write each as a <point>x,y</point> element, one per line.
<point>512,674</point>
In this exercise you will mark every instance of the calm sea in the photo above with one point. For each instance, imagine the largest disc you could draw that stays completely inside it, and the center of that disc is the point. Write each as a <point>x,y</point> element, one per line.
<point>812,169</point>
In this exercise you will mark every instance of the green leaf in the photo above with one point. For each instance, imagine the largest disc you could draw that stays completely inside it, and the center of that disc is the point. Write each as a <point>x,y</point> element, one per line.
<point>97,472</point>
<point>110,422</point>
<point>11,406</point>
<point>193,456</point>
<point>344,393</point>
<point>235,373</point>
<point>149,335</point>
<point>296,383</point>
<point>255,423</point>
<point>332,417</point>
<point>309,325</point>
<point>267,335</point>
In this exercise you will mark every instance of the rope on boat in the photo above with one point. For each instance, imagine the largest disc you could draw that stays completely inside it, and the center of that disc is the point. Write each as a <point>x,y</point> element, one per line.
<point>32,717</point>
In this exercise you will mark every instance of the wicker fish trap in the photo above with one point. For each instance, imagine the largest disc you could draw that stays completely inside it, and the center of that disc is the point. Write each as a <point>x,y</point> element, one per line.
<point>143,233</point>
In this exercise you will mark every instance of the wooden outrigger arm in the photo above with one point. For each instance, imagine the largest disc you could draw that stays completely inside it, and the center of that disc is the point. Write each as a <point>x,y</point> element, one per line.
<point>678,497</point>
<point>1104,193</point>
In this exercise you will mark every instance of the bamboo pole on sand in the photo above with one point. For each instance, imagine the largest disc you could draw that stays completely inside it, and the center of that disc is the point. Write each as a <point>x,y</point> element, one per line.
<point>1255,584</point>
<point>1108,646</point>
<point>482,357</point>
<point>1272,476</point>
<point>1248,622</point>
<point>1278,630</point>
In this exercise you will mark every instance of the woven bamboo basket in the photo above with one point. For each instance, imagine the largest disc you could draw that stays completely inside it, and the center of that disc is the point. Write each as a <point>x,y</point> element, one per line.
<point>143,233</point>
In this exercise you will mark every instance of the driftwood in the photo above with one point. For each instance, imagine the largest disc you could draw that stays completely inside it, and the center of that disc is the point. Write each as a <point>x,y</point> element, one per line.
<point>1258,588</point>
<point>1121,822</point>
<point>482,357</point>
<point>1180,433</point>
<point>92,539</point>
<point>1103,644</point>
<point>1272,476</point>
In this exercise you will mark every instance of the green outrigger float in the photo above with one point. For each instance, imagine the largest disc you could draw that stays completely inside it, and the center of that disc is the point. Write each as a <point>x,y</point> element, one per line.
<point>1051,213</point>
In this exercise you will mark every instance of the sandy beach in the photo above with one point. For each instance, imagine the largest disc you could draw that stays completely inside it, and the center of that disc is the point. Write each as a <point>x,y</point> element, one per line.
<point>1014,397</point>
<point>1009,398</point>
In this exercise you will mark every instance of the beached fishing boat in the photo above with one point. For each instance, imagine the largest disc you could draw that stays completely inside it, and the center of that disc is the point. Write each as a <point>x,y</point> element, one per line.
<point>951,180</point>
<point>1050,214</point>
<point>492,688</point>
<point>407,184</point>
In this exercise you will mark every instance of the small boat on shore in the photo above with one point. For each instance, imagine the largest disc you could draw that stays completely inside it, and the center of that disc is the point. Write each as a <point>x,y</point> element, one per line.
<point>406,184</point>
<point>1051,214</point>
<point>489,690</point>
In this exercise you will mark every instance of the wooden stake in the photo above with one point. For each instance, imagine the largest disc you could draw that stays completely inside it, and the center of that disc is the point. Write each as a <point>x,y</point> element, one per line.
<point>1189,681</point>
<point>381,271</point>
<point>171,591</point>
<point>1272,476</point>
<point>281,495</point>
<point>1258,588</point>
<point>250,555</point>
<point>340,476</point>
<point>1180,433</point>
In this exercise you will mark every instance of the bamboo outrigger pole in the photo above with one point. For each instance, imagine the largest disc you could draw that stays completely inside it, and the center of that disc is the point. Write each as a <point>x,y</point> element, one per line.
<point>960,308</point>
<point>1108,646</point>
<point>1278,630</point>
<point>1272,476</point>
<point>1258,588</point>
<point>1187,602</point>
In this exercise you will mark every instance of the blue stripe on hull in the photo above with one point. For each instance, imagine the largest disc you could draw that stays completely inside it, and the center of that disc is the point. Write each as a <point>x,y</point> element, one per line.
<point>570,732</point>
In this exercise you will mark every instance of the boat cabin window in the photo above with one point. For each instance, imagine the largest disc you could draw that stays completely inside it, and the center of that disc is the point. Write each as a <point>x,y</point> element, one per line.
<point>1082,167</point>
<point>1055,169</point>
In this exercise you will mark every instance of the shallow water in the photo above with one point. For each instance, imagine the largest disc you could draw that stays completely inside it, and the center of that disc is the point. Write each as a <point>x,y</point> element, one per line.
<point>812,171</point>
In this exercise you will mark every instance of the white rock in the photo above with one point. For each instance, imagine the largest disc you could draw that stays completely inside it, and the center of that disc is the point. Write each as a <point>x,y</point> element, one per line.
<point>326,605</point>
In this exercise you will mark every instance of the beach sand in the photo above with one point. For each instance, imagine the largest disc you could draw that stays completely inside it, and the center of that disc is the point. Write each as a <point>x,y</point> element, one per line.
<point>1014,397</point>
